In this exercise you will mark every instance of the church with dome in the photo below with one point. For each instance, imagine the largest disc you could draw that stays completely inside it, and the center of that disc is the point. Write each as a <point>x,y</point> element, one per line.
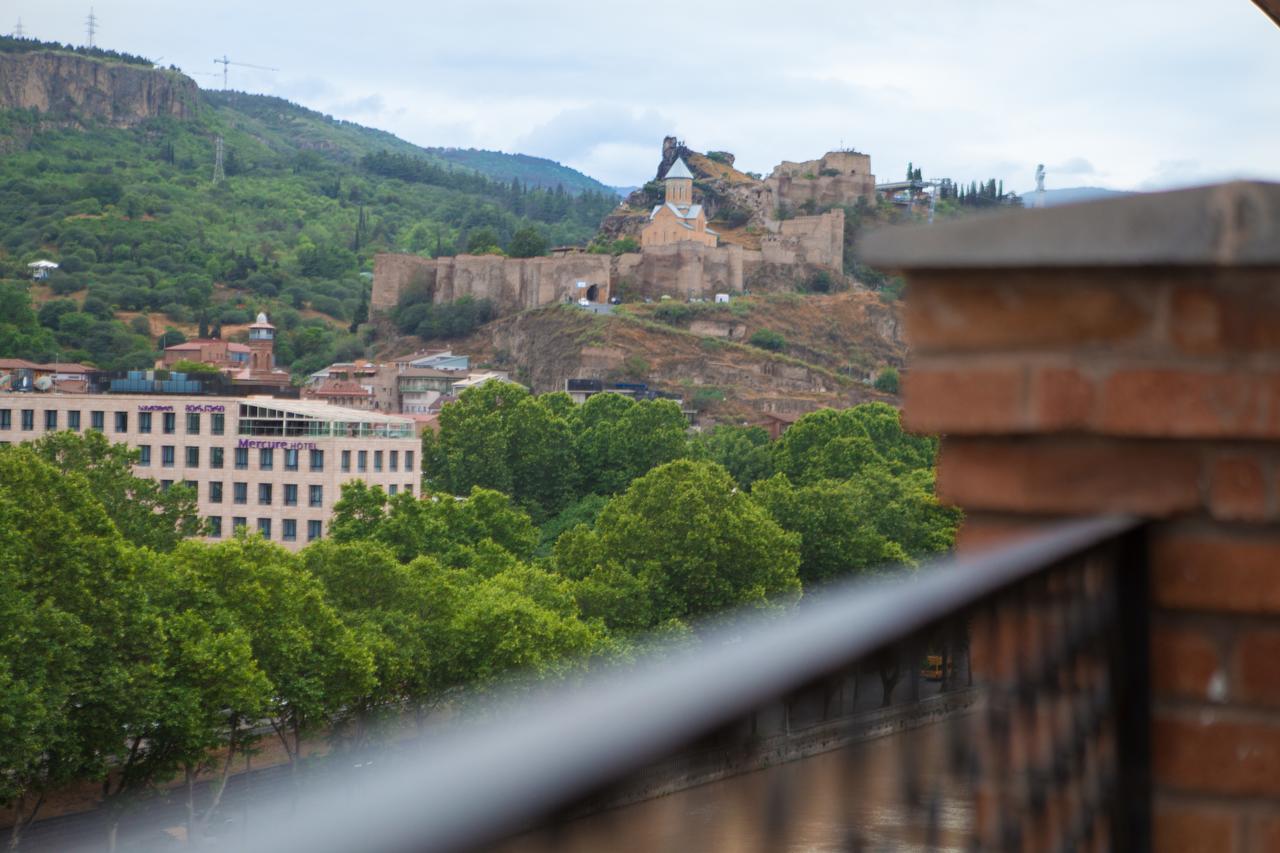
<point>677,219</point>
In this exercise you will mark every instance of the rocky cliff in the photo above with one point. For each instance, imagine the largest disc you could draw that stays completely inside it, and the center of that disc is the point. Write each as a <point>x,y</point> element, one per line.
<point>78,89</point>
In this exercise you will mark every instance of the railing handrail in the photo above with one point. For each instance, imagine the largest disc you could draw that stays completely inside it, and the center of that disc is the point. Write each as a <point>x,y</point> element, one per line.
<point>488,778</point>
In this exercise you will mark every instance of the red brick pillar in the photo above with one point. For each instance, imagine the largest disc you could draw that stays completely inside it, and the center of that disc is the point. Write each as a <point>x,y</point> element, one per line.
<point>1124,356</point>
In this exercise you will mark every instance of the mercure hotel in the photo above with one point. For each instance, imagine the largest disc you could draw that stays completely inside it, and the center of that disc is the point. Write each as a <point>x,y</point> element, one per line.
<point>268,464</point>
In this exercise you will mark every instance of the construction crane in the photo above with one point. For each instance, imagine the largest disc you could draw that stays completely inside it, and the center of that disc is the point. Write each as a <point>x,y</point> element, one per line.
<point>224,62</point>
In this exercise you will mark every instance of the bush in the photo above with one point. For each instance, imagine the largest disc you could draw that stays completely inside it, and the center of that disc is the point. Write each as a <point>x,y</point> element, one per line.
<point>635,367</point>
<point>887,380</point>
<point>188,366</point>
<point>673,313</point>
<point>820,282</point>
<point>768,339</point>
<point>705,398</point>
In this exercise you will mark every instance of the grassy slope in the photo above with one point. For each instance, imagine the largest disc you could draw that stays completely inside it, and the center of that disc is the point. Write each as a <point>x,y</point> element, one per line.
<point>138,223</point>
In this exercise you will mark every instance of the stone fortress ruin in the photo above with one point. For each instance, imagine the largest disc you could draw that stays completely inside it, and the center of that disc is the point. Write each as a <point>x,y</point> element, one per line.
<point>679,258</point>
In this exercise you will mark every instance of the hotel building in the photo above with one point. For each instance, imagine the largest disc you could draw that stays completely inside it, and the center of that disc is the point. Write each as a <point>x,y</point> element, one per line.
<point>268,464</point>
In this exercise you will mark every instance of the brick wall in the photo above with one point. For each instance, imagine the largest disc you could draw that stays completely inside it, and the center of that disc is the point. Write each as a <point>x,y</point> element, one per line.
<point>1125,356</point>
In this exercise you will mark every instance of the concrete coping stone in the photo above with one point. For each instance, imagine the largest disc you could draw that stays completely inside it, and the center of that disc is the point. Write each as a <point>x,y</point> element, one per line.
<point>1223,225</point>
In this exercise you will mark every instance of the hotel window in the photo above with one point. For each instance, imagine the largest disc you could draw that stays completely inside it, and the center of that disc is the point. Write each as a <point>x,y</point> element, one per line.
<point>264,527</point>
<point>242,459</point>
<point>193,457</point>
<point>408,488</point>
<point>315,495</point>
<point>165,485</point>
<point>170,423</point>
<point>393,490</point>
<point>317,460</point>
<point>166,455</point>
<point>193,423</point>
<point>215,457</point>
<point>97,421</point>
<point>395,460</point>
<point>51,419</point>
<point>240,493</point>
<point>6,418</point>
<point>144,422</point>
<point>264,494</point>
<point>408,460</point>
<point>289,530</point>
<point>346,460</point>
<point>215,526</point>
<point>144,454</point>
<point>239,523</point>
<point>377,460</point>
<point>266,458</point>
<point>291,460</point>
<point>28,419</point>
<point>73,420</point>
<point>313,530</point>
<point>122,422</point>
<point>215,491</point>
<point>192,485</point>
<point>362,461</point>
<point>217,423</point>
<point>290,494</point>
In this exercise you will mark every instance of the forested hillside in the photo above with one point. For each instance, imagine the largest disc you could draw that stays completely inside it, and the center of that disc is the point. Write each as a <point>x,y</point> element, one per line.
<point>147,238</point>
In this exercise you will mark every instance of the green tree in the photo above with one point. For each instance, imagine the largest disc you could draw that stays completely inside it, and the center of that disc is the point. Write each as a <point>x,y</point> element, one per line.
<point>483,241</point>
<point>540,457</point>
<point>744,451</point>
<point>316,665</point>
<point>836,524</point>
<point>697,542</point>
<point>619,439</point>
<point>385,604</point>
<point>79,648</point>
<point>527,242</point>
<point>142,511</point>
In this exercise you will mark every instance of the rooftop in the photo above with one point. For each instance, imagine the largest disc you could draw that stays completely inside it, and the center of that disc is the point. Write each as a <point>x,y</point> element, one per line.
<point>678,170</point>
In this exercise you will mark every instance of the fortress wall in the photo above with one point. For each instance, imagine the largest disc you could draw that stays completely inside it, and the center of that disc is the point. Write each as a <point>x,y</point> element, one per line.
<point>681,269</point>
<point>814,240</point>
<point>392,273</point>
<point>512,284</point>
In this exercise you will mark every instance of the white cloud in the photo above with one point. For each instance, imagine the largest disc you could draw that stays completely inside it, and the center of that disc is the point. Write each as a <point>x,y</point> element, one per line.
<point>966,90</point>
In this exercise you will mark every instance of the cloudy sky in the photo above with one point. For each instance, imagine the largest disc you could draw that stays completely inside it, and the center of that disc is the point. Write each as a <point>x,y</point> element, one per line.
<point>1128,94</point>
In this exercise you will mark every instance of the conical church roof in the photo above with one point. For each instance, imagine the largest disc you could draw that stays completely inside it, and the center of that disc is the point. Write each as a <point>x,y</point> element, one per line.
<point>678,170</point>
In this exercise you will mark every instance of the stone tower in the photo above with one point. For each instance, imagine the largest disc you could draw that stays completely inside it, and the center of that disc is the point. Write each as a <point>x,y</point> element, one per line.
<point>262,342</point>
<point>679,183</point>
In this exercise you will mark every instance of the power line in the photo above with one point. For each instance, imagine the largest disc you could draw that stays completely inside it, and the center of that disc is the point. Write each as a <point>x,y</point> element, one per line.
<point>91,25</point>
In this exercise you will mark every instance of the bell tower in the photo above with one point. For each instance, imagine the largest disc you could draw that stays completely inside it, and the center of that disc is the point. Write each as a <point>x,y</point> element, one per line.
<point>262,343</point>
<point>679,184</point>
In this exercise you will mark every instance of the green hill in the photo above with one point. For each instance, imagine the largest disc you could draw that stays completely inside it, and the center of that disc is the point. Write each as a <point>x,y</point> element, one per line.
<point>140,227</point>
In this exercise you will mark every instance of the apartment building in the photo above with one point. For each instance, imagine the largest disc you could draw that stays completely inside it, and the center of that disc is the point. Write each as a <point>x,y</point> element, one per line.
<point>267,464</point>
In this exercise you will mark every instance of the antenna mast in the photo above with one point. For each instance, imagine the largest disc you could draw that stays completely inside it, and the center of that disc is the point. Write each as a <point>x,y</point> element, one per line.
<point>91,25</point>
<point>218,173</point>
<point>17,31</point>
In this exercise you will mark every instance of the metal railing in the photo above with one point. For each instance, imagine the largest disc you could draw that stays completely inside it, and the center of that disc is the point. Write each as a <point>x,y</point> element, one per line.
<point>1013,697</point>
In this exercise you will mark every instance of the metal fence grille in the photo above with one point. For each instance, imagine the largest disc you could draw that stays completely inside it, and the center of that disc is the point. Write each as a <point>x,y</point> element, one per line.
<point>989,703</point>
